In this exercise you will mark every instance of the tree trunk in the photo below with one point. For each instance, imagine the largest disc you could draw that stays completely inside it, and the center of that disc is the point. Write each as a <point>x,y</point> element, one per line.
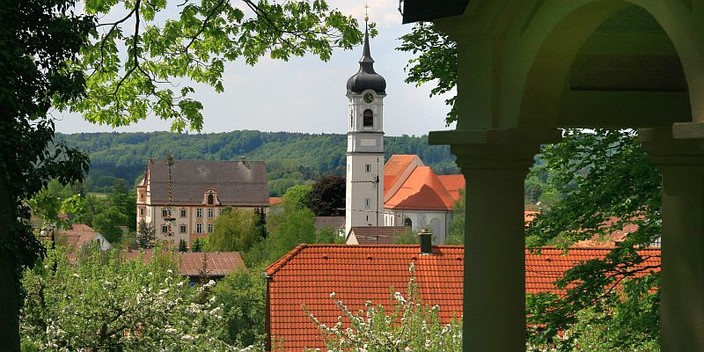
<point>9,292</point>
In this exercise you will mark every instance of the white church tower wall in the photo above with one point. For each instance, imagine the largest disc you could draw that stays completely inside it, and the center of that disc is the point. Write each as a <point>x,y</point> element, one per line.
<point>366,91</point>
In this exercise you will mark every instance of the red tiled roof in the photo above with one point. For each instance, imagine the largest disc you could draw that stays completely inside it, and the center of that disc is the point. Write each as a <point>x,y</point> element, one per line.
<point>218,263</point>
<point>78,235</point>
<point>275,200</point>
<point>394,167</point>
<point>453,184</point>
<point>421,190</point>
<point>310,273</point>
<point>377,234</point>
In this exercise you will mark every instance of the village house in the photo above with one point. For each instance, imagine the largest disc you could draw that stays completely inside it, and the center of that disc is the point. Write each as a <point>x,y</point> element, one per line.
<point>310,273</point>
<point>199,266</point>
<point>181,201</point>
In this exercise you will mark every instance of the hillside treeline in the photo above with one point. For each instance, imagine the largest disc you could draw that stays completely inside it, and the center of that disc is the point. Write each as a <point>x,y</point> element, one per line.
<point>291,158</point>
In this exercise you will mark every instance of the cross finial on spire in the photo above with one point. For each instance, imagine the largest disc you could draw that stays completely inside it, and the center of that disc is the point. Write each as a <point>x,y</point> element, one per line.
<point>366,13</point>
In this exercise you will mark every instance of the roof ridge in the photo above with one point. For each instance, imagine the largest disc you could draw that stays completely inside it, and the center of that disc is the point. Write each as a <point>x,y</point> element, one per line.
<point>277,265</point>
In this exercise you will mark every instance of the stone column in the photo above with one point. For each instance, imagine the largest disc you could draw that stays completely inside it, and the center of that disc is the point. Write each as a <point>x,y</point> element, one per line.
<point>494,164</point>
<point>681,162</point>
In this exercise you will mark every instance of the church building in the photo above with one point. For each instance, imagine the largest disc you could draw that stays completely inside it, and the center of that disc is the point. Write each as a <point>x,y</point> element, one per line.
<point>402,192</point>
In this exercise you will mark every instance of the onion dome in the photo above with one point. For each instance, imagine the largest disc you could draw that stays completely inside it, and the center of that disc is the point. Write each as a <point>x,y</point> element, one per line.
<point>366,78</point>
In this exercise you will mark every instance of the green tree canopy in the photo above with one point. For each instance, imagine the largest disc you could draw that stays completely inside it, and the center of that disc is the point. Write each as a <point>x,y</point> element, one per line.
<point>327,196</point>
<point>235,230</point>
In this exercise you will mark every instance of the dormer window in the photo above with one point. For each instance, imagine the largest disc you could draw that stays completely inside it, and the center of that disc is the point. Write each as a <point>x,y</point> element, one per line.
<point>210,197</point>
<point>368,118</point>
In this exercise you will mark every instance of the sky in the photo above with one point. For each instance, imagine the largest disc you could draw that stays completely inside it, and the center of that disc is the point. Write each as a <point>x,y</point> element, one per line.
<point>306,94</point>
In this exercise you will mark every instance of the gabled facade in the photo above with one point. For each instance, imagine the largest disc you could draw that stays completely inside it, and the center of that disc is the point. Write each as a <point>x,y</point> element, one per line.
<point>310,273</point>
<point>200,191</point>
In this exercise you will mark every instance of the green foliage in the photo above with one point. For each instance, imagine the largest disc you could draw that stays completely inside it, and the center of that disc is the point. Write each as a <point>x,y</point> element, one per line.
<point>197,245</point>
<point>146,235</point>
<point>297,196</point>
<point>38,38</point>
<point>408,237</point>
<point>235,230</point>
<point>108,223</point>
<point>327,196</point>
<point>150,47</point>
<point>607,182</point>
<point>409,326</point>
<point>242,296</point>
<point>436,62</point>
<point>288,226</point>
<point>182,246</point>
<point>104,302</point>
<point>455,232</point>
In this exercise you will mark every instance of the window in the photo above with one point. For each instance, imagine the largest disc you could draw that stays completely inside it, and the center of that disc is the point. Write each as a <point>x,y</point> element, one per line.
<point>199,228</point>
<point>210,228</point>
<point>182,228</point>
<point>367,203</point>
<point>199,212</point>
<point>368,168</point>
<point>165,213</point>
<point>141,211</point>
<point>211,212</point>
<point>183,213</point>
<point>164,228</point>
<point>368,120</point>
<point>211,199</point>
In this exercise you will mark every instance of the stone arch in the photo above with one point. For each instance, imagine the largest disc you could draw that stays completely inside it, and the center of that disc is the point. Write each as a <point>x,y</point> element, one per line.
<point>592,70</point>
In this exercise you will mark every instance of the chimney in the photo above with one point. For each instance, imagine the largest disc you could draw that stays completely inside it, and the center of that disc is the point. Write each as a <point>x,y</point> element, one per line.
<point>426,242</point>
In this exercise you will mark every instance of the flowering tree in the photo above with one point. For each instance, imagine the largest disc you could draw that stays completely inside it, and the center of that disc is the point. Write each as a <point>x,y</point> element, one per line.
<point>103,302</point>
<point>410,326</point>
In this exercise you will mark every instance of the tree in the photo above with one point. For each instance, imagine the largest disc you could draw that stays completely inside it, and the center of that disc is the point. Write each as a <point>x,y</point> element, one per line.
<point>455,232</point>
<point>146,235</point>
<point>607,182</point>
<point>235,230</point>
<point>104,302</point>
<point>38,39</point>
<point>288,226</point>
<point>436,62</point>
<point>327,196</point>
<point>298,196</point>
<point>242,296</point>
<point>195,44</point>
<point>182,246</point>
<point>41,44</point>
<point>108,223</point>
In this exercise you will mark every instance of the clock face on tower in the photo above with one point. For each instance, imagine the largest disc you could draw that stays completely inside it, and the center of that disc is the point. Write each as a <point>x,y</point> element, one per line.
<point>368,98</point>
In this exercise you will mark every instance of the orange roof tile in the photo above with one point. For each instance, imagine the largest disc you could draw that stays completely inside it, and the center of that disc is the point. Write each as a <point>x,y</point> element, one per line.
<point>395,166</point>
<point>453,184</point>
<point>310,273</point>
<point>275,200</point>
<point>421,190</point>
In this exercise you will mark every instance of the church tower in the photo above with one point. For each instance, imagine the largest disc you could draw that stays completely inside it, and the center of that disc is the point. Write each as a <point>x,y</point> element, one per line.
<point>365,144</point>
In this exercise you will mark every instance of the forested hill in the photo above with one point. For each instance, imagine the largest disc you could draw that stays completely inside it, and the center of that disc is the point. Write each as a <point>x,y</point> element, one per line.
<point>291,158</point>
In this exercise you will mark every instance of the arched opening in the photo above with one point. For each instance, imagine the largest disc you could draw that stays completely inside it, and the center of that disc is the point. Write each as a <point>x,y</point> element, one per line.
<point>617,71</point>
<point>407,222</point>
<point>368,118</point>
<point>211,199</point>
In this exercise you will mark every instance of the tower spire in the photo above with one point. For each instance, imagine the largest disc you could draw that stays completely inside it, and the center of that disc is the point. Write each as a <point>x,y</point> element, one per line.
<point>366,77</point>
